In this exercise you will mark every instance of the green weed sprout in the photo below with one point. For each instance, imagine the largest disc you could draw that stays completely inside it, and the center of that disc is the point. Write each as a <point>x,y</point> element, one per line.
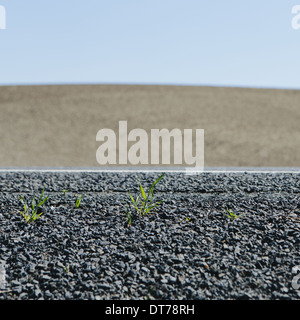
<point>77,201</point>
<point>231,214</point>
<point>66,268</point>
<point>128,216</point>
<point>143,204</point>
<point>35,213</point>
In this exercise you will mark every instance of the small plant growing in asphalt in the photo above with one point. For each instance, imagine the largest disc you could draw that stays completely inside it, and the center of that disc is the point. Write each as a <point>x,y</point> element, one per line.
<point>77,201</point>
<point>143,204</point>
<point>230,214</point>
<point>128,216</point>
<point>66,268</point>
<point>33,213</point>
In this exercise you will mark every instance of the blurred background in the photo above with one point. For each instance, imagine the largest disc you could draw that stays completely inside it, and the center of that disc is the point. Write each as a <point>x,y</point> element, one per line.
<point>69,69</point>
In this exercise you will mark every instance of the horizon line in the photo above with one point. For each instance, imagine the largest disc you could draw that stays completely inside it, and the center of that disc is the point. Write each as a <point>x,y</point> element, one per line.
<point>42,84</point>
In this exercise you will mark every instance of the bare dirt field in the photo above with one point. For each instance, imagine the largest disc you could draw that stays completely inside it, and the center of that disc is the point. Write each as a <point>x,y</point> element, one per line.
<point>56,125</point>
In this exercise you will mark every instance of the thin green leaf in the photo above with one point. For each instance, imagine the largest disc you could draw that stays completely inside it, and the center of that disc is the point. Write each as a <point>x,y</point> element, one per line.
<point>132,199</point>
<point>155,182</point>
<point>77,204</point>
<point>22,199</point>
<point>41,197</point>
<point>33,203</point>
<point>40,214</point>
<point>153,205</point>
<point>43,201</point>
<point>134,202</point>
<point>24,202</point>
<point>153,185</point>
<point>143,192</point>
<point>32,217</point>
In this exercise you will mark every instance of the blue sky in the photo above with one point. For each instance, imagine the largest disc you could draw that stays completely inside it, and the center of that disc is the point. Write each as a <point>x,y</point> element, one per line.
<point>182,42</point>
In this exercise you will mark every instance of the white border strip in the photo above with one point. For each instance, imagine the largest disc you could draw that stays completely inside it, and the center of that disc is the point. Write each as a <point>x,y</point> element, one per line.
<point>186,170</point>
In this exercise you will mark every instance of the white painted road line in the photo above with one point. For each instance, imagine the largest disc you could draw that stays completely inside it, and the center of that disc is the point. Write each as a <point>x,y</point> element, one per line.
<point>188,170</point>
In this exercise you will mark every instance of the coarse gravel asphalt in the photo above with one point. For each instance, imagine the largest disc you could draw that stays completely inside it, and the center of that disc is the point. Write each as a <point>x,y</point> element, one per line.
<point>188,248</point>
